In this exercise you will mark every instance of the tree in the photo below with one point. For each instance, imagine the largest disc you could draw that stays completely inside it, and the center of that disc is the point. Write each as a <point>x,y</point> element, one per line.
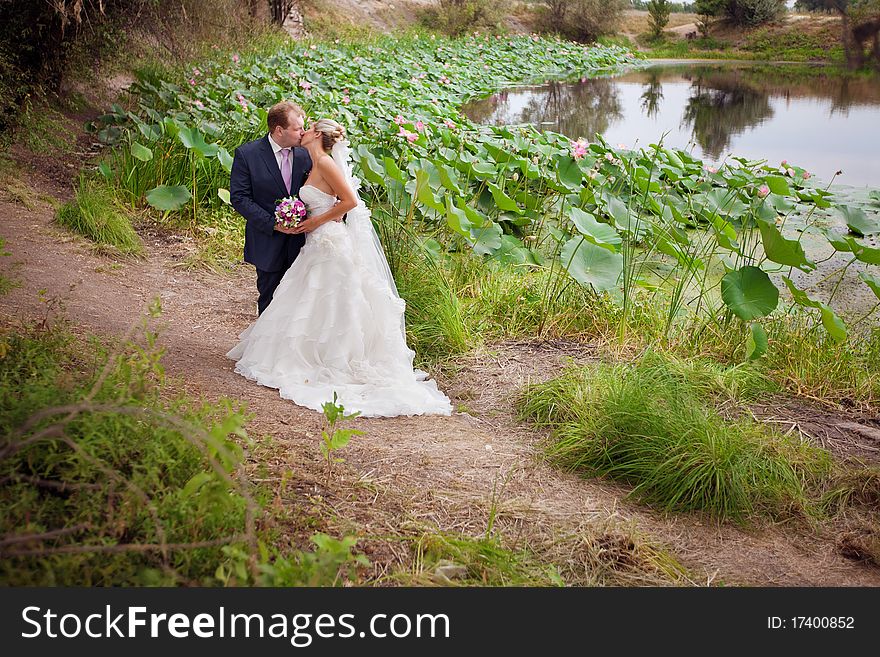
<point>658,15</point>
<point>859,22</point>
<point>753,12</point>
<point>707,10</point>
<point>279,10</point>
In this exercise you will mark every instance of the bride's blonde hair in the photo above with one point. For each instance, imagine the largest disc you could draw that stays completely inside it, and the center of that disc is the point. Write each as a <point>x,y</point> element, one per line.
<point>331,132</point>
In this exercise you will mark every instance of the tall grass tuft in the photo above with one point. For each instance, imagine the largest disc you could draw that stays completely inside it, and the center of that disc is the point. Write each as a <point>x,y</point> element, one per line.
<point>652,424</point>
<point>802,359</point>
<point>435,322</point>
<point>97,215</point>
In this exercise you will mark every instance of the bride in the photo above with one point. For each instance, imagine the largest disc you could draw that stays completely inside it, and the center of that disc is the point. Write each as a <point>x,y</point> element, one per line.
<point>335,323</point>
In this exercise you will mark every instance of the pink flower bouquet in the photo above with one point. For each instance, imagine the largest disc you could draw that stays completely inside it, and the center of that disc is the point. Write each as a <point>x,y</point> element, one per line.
<point>289,211</point>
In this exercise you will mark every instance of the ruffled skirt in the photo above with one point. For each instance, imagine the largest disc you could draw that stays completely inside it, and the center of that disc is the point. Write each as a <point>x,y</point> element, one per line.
<point>334,327</point>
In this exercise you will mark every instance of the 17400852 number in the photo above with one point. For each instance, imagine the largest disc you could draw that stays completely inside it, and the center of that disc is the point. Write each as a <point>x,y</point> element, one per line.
<point>811,622</point>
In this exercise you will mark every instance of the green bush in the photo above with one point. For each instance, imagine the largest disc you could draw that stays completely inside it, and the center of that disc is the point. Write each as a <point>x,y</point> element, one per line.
<point>455,17</point>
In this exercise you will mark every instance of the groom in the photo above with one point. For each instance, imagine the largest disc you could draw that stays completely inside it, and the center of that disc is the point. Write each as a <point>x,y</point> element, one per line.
<point>263,172</point>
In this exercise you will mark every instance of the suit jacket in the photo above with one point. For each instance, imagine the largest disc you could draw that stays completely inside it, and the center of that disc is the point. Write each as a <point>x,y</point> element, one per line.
<point>255,187</point>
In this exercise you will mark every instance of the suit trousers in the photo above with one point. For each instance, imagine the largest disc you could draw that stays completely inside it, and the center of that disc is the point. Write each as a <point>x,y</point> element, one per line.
<point>267,281</point>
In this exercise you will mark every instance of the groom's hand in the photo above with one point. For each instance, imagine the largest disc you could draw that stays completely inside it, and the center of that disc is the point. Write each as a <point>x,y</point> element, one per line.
<point>286,231</point>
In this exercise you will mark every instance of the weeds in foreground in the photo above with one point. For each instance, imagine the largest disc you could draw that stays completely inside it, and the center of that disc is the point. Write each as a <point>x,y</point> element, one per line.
<point>108,478</point>
<point>334,439</point>
<point>97,215</point>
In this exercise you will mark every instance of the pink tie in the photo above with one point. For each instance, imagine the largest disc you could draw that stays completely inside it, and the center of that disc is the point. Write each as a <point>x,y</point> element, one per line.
<point>285,167</point>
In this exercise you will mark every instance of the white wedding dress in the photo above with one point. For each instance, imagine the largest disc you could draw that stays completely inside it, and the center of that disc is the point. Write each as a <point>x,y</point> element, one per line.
<point>335,324</point>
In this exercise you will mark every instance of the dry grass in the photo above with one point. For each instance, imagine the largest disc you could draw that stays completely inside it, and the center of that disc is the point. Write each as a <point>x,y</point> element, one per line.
<point>633,22</point>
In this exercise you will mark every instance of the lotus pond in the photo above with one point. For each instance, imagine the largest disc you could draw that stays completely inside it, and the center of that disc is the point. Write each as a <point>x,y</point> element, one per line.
<point>650,225</point>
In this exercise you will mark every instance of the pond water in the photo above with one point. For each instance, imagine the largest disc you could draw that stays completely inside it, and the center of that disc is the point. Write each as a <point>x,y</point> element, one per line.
<point>814,117</point>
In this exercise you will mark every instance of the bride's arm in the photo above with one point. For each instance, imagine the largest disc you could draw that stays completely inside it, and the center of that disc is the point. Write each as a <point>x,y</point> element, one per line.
<point>347,199</point>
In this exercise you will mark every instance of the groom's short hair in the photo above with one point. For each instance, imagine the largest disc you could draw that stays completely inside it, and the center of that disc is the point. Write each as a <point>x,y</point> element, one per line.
<point>279,114</point>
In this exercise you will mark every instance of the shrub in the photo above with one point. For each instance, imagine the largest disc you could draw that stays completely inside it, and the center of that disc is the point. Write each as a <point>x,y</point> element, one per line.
<point>455,17</point>
<point>753,12</point>
<point>580,20</point>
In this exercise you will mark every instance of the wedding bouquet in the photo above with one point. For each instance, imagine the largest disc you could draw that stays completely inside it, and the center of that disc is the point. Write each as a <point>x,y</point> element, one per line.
<point>289,211</point>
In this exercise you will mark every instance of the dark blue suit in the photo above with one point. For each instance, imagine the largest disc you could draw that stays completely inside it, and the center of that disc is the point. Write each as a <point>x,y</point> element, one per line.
<point>255,187</point>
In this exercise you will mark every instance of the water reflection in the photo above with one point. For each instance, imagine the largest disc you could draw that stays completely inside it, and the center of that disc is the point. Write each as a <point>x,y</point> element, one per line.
<point>817,118</point>
<point>719,108</point>
<point>583,108</point>
<point>652,95</point>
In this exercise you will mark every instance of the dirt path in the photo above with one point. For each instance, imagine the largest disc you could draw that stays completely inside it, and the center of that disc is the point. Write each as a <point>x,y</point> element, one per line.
<point>405,472</point>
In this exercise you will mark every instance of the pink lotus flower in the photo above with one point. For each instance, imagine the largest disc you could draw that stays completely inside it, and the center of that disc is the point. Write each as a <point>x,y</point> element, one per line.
<point>199,104</point>
<point>712,169</point>
<point>196,72</point>
<point>449,124</point>
<point>609,157</point>
<point>235,59</point>
<point>763,190</point>
<point>485,67</point>
<point>790,172</point>
<point>579,149</point>
<point>784,163</point>
<point>192,82</point>
<point>305,84</point>
<point>410,136</point>
<point>371,91</point>
<point>346,100</point>
<point>622,146</point>
<point>444,79</point>
<point>399,120</point>
<point>420,126</point>
<point>807,175</point>
<point>313,47</point>
<point>414,79</point>
<point>422,76</point>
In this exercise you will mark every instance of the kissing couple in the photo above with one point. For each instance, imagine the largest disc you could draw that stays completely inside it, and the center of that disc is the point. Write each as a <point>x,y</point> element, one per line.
<point>330,318</point>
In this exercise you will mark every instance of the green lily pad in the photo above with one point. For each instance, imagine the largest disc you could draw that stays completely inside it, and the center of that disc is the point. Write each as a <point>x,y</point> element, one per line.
<point>859,222</point>
<point>168,198</point>
<point>749,293</point>
<point>591,265</point>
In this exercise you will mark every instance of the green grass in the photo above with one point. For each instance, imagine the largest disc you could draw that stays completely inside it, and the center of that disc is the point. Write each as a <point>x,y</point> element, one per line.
<point>802,359</point>
<point>853,487</point>
<point>41,128</point>
<point>655,425</point>
<point>136,464</point>
<point>7,284</point>
<point>485,560</point>
<point>220,241</point>
<point>761,44</point>
<point>98,215</point>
